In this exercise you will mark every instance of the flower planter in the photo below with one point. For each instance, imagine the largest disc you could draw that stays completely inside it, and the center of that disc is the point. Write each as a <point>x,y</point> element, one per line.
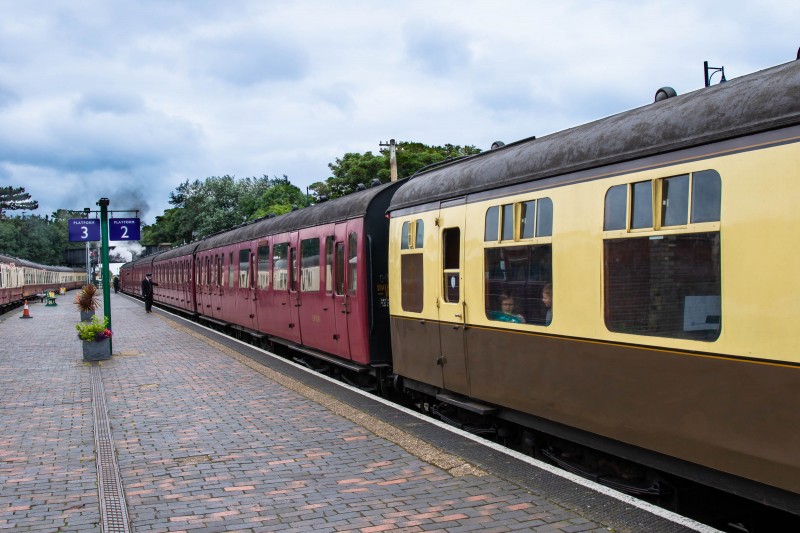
<point>97,350</point>
<point>86,316</point>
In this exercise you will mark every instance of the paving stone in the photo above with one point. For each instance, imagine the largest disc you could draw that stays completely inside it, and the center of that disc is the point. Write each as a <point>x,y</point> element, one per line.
<point>207,442</point>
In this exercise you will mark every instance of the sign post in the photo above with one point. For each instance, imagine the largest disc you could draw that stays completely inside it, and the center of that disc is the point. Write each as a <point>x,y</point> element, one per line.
<point>103,203</point>
<point>104,229</point>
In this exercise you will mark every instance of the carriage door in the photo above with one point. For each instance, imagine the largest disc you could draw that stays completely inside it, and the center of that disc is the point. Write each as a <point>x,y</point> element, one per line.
<point>452,307</point>
<point>294,290</point>
<point>245,301</point>
<point>341,296</point>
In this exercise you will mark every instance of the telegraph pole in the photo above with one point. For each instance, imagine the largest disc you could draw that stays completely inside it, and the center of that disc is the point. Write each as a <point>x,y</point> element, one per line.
<point>392,158</point>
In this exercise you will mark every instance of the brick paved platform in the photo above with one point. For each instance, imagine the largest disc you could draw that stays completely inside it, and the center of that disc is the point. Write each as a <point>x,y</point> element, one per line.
<point>213,435</point>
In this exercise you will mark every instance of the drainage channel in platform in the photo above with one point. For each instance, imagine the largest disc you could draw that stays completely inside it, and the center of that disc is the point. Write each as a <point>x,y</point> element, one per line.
<point>113,510</point>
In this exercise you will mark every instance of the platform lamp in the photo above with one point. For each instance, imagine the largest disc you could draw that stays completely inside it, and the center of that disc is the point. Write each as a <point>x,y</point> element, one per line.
<point>713,70</point>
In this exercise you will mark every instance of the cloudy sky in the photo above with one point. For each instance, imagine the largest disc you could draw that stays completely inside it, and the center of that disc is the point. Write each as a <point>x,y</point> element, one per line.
<point>128,99</point>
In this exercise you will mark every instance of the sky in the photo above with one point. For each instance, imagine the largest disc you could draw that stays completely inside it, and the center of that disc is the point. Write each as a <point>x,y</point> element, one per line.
<point>128,99</point>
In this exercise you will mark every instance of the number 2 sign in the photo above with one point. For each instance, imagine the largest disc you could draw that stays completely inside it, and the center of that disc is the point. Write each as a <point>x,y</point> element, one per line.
<point>123,229</point>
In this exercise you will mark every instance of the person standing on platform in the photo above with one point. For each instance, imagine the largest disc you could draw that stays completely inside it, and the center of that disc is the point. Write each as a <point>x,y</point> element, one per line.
<point>147,292</point>
<point>116,284</point>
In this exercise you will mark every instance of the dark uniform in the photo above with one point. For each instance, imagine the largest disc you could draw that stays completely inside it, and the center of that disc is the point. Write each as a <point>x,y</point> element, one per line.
<point>147,292</point>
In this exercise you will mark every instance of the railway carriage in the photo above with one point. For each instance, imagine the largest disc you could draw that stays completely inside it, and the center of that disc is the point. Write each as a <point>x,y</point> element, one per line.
<point>21,279</point>
<point>315,280</point>
<point>650,261</point>
<point>131,275</point>
<point>173,270</point>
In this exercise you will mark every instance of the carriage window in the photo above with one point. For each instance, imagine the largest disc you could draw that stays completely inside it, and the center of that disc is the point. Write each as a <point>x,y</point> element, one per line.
<point>527,218</point>
<point>451,255</point>
<point>309,270</point>
<point>244,271</point>
<point>535,220</point>
<point>642,205</point>
<point>339,268</point>
<point>544,217</point>
<point>616,206</point>
<point>706,194</point>
<point>519,284</point>
<point>508,223</point>
<point>263,266</point>
<point>492,224</point>
<point>231,271</point>
<point>221,270</point>
<point>293,269</point>
<point>412,234</point>
<point>701,190</point>
<point>412,280</point>
<point>419,241</point>
<point>352,263</point>
<point>675,201</point>
<point>280,266</point>
<point>664,285</point>
<point>329,264</point>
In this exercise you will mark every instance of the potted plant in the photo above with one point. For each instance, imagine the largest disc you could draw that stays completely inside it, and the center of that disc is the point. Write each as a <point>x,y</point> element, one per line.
<point>87,301</point>
<point>96,339</point>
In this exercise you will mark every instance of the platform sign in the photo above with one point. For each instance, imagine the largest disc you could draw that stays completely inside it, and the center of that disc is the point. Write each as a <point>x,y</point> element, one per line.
<point>123,229</point>
<point>84,229</point>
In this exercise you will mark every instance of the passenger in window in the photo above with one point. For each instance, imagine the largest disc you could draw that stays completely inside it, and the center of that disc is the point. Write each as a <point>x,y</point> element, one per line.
<point>506,312</point>
<point>547,300</point>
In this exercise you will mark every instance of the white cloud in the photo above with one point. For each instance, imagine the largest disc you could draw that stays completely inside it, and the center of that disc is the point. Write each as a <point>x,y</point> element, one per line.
<point>128,99</point>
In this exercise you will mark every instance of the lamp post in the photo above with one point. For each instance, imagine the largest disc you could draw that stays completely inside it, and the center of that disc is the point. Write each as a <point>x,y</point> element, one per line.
<point>713,71</point>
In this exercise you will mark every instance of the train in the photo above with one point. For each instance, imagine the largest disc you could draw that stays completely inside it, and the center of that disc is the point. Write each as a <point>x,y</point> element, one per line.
<point>22,280</point>
<point>620,298</point>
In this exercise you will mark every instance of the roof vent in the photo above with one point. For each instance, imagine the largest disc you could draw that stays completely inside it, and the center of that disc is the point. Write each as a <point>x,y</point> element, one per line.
<point>497,144</point>
<point>664,93</point>
<point>375,182</point>
<point>361,187</point>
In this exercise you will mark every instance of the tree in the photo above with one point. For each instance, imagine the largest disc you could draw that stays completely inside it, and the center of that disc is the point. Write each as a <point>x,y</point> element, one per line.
<point>34,238</point>
<point>219,203</point>
<point>12,198</point>
<point>354,169</point>
<point>280,198</point>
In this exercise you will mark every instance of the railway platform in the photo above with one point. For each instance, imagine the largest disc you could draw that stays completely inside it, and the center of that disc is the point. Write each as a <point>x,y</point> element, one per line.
<point>184,429</point>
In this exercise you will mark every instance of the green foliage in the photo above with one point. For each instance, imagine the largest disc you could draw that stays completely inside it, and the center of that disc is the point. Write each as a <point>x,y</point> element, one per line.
<point>218,203</point>
<point>95,330</point>
<point>16,198</point>
<point>38,239</point>
<point>280,198</point>
<point>354,169</point>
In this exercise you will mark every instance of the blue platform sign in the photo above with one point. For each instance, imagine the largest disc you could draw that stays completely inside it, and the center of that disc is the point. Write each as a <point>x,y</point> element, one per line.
<point>84,229</point>
<point>123,229</point>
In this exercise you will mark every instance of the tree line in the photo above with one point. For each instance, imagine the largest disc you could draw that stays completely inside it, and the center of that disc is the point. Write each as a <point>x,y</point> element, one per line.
<point>203,207</point>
